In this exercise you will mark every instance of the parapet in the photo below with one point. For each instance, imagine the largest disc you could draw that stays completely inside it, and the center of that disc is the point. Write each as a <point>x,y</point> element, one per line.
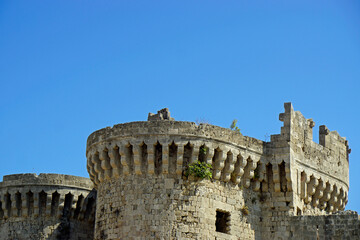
<point>316,174</point>
<point>167,147</point>
<point>38,201</point>
<point>42,179</point>
<point>319,172</point>
<point>141,167</point>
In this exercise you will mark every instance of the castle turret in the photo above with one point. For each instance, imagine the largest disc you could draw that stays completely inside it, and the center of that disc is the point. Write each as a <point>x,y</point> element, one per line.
<point>139,168</point>
<point>166,179</point>
<point>146,175</point>
<point>46,206</point>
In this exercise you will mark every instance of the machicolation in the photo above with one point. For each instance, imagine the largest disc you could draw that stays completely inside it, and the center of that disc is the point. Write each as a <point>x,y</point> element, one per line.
<point>48,206</point>
<point>287,188</point>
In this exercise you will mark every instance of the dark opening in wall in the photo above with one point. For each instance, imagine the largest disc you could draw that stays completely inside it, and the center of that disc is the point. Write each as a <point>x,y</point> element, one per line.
<point>89,208</point>
<point>8,203</point>
<point>158,158</point>
<point>130,157</point>
<point>222,221</point>
<point>144,158</point>
<point>42,203</point>
<point>68,205</point>
<point>172,158</point>
<point>298,212</point>
<point>116,161</point>
<point>283,181</point>
<point>18,203</point>
<point>30,202</point>
<point>269,174</point>
<point>188,149</point>
<point>203,153</point>
<point>55,203</point>
<point>1,211</point>
<point>79,203</point>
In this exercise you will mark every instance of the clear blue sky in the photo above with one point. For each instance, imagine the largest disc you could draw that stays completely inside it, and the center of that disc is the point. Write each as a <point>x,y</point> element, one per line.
<point>68,68</point>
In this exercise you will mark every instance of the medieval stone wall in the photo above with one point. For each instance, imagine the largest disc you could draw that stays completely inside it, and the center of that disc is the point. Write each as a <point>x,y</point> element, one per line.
<point>157,207</point>
<point>48,206</point>
<point>142,162</point>
<point>336,226</point>
<point>288,188</point>
<point>320,172</point>
<point>288,176</point>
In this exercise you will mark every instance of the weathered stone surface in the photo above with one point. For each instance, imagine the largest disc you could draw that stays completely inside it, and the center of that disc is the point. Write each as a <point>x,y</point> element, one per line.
<point>163,114</point>
<point>132,164</point>
<point>288,188</point>
<point>46,206</point>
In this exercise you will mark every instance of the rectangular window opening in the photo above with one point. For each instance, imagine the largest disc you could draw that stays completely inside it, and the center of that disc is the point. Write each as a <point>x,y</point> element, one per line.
<point>222,221</point>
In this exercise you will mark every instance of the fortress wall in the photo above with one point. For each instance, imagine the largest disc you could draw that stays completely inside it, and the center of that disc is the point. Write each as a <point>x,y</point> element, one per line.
<point>141,149</point>
<point>319,172</point>
<point>170,155</point>
<point>174,128</point>
<point>330,157</point>
<point>46,228</point>
<point>48,206</point>
<point>158,207</point>
<point>337,226</point>
<point>289,176</point>
<point>155,153</point>
<point>307,177</point>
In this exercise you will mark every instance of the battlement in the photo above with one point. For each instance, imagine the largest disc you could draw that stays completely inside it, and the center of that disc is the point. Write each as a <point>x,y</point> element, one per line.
<point>46,179</point>
<point>31,199</point>
<point>168,147</point>
<point>292,174</point>
<point>299,130</point>
<point>50,195</point>
<point>319,173</point>
<point>279,189</point>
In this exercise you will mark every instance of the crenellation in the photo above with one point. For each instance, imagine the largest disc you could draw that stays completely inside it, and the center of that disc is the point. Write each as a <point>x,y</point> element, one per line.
<point>33,204</point>
<point>287,188</point>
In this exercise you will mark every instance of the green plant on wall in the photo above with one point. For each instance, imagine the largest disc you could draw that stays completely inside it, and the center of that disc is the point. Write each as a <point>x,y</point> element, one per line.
<point>234,127</point>
<point>199,169</point>
<point>245,210</point>
<point>203,150</point>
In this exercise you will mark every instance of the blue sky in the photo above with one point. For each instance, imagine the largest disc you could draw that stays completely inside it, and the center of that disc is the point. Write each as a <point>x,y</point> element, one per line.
<point>68,68</point>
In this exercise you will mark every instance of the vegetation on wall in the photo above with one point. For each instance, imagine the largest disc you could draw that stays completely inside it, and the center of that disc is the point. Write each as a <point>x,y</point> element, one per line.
<point>234,127</point>
<point>199,169</point>
<point>245,210</point>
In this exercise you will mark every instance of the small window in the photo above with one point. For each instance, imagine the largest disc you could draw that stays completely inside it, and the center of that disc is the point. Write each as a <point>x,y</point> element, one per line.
<point>222,221</point>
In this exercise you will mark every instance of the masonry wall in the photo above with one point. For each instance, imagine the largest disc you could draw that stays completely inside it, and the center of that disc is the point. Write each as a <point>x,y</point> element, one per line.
<point>45,228</point>
<point>166,208</point>
<point>288,188</point>
<point>337,226</point>
<point>141,162</point>
<point>319,171</point>
<point>48,206</point>
<point>144,162</point>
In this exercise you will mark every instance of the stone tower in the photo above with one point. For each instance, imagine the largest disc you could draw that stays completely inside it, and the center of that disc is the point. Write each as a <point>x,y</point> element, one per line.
<point>258,190</point>
<point>48,206</point>
<point>145,184</point>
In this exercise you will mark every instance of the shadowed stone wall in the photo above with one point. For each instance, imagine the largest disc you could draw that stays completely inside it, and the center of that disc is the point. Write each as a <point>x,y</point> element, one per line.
<point>48,206</point>
<point>133,164</point>
<point>336,226</point>
<point>288,188</point>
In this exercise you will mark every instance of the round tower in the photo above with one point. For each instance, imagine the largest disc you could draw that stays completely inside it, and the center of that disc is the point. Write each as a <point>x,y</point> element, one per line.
<point>46,206</point>
<point>145,188</point>
<point>138,169</point>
